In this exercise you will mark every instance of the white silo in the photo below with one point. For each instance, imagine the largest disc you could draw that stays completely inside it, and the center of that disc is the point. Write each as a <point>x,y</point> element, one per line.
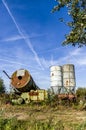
<point>69,81</point>
<point>56,78</point>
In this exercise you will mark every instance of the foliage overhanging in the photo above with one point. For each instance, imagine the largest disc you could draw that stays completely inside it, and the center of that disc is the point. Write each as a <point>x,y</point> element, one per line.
<point>77,11</point>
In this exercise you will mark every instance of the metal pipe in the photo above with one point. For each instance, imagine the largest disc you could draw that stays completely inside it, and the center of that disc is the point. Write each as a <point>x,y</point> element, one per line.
<point>6,74</point>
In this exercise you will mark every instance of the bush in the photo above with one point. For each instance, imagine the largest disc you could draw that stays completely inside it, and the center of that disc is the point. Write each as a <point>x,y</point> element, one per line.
<point>81,93</point>
<point>12,124</point>
<point>2,86</point>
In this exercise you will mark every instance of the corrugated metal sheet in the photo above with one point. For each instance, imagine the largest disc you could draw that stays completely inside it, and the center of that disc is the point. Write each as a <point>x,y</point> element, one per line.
<point>69,76</point>
<point>62,79</point>
<point>56,78</point>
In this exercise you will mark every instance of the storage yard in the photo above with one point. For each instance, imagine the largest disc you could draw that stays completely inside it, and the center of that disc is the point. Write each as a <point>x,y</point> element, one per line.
<point>37,109</point>
<point>62,84</point>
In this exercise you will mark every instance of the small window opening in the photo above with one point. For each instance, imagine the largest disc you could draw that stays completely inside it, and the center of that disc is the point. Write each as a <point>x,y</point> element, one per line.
<point>19,77</point>
<point>52,74</point>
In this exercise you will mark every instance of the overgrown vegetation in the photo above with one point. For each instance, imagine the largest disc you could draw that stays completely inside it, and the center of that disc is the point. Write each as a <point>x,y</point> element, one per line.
<point>14,124</point>
<point>81,93</point>
<point>2,86</point>
<point>46,115</point>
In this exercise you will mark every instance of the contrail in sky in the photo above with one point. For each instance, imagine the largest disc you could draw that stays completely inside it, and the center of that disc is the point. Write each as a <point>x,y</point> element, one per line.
<point>27,41</point>
<point>14,62</point>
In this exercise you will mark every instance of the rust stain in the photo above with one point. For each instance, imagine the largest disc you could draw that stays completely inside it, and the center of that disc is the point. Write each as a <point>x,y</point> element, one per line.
<point>33,93</point>
<point>20,82</point>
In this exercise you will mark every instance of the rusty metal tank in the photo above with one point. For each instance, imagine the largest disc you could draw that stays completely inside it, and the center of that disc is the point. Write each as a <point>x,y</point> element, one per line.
<point>69,81</point>
<point>22,81</point>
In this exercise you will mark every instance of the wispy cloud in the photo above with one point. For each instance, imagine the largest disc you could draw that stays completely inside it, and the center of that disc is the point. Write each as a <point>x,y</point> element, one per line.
<point>75,56</point>
<point>49,50</point>
<point>14,38</point>
<point>81,61</point>
<point>75,52</point>
<point>19,37</point>
<point>27,41</point>
<point>14,62</point>
<point>37,35</point>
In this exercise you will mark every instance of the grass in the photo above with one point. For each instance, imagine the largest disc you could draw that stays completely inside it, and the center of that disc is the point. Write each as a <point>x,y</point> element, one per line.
<point>14,124</point>
<point>41,117</point>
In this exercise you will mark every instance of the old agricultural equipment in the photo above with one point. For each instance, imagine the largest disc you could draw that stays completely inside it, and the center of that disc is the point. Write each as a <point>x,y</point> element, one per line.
<point>24,85</point>
<point>22,81</point>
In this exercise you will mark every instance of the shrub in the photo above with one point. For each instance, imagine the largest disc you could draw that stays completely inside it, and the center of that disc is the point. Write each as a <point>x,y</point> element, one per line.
<point>2,86</point>
<point>81,93</point>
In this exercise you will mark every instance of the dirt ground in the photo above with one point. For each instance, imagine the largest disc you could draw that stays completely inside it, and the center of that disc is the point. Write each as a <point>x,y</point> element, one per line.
<point>26,112</point>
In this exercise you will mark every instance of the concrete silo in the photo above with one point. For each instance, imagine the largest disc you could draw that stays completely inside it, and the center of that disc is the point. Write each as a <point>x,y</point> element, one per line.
<point>56,78</point>
<point>69,81</point>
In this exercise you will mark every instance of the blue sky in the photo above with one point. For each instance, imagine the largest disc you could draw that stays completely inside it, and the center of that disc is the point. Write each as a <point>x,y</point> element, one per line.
<point>31,37</point>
